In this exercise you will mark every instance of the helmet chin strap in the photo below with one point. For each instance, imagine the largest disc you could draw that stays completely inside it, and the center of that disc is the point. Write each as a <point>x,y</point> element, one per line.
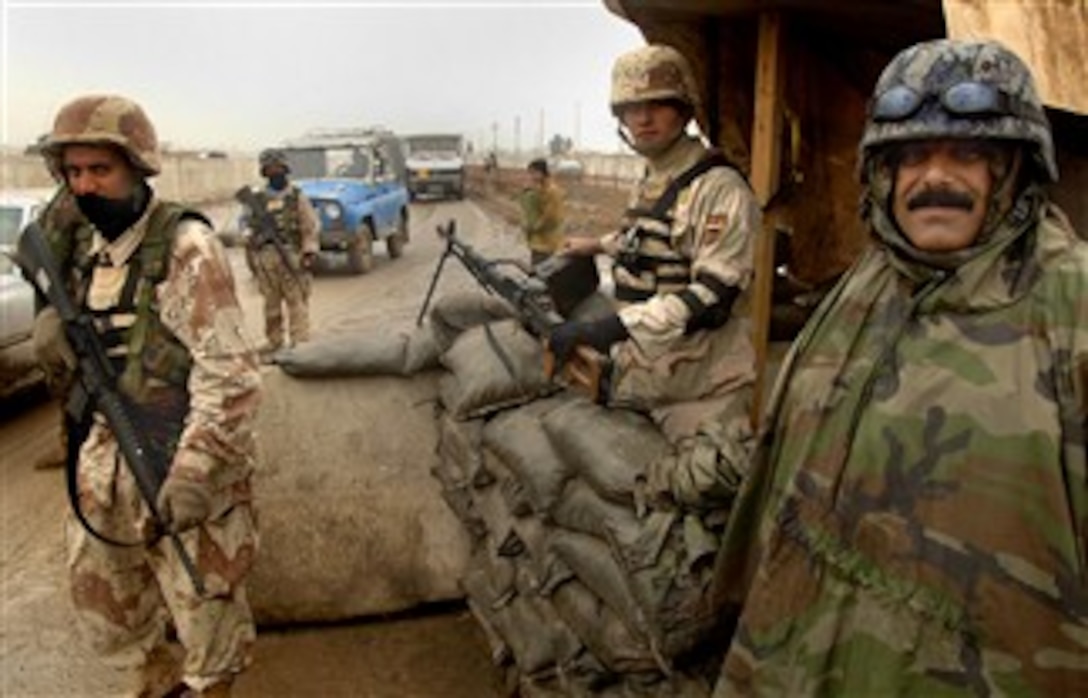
<point>626,138</point>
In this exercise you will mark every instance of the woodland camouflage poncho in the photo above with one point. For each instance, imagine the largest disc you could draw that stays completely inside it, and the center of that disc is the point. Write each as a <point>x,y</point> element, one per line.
<point>916,519</point>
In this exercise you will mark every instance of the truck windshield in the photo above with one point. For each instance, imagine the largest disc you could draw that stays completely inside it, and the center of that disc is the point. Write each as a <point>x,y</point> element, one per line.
<point>315,163</point>
<point>418,145</point>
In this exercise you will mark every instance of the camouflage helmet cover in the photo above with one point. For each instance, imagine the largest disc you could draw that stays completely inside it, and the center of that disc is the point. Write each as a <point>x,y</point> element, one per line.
<point>106,119</point>
<point>654,72</point>
<point>272,156</point>
<point>930,69</point>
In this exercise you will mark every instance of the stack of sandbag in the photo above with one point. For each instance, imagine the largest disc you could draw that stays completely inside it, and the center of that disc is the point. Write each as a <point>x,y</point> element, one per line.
<point>582,579</point>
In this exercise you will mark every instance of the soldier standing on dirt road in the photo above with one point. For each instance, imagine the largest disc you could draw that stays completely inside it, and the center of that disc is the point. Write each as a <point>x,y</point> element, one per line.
<point>542,213</point>
<point>283,265</point>
<point>159,290</point>
<point>914,521</point>
<point>682,259</point>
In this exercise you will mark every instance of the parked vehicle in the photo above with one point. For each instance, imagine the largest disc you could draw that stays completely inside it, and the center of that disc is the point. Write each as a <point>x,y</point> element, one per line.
<point>356,182</point>
<point>436,165</point>
<point>18,370</point>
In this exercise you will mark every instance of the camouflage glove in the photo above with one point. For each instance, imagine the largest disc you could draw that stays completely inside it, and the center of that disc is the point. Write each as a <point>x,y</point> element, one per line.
<point>308,260</point>
<point>183,503</point>
<point>599,334</point>
<point>51,348</point>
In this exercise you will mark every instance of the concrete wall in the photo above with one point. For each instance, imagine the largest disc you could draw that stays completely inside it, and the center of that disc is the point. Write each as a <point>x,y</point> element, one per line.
<point>184,177</point>
<point>619,168</point>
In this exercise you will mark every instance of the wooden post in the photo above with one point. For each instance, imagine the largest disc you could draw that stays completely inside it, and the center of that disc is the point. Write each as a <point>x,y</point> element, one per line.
<point>766,152</point>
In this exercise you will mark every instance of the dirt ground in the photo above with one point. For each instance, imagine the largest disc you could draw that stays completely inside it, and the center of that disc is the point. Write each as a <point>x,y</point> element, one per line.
<point>429,652</point>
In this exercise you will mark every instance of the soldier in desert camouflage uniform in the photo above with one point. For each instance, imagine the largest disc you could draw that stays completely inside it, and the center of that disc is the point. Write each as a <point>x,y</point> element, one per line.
<point>683,257</point>
<point>915,521</point>
<point>159,289</point>
<point>283,275</point>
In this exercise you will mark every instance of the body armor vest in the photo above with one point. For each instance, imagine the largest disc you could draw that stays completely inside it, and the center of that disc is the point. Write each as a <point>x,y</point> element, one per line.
<point>649,262</point>
<point>284,212</point>
<point>152,365</point>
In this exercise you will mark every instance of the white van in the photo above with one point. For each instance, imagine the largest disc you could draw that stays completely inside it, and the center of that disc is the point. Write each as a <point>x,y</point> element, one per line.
<point>18,370</point>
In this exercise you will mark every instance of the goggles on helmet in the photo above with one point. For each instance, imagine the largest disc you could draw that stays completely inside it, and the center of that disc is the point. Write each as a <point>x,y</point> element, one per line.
<point>965,99</point>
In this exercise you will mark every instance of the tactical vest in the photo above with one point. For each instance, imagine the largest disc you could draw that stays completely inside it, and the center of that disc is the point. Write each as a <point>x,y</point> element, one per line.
<point>287,219</point>
<point>648,262</point>
<point>152,365</point>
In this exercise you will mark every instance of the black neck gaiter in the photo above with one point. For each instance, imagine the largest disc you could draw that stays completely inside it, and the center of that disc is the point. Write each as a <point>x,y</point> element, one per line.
<point>112,217</point>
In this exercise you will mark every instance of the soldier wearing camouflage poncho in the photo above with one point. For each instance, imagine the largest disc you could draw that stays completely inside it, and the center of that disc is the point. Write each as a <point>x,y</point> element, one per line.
<point>159,289</point>
<point>915,521</point>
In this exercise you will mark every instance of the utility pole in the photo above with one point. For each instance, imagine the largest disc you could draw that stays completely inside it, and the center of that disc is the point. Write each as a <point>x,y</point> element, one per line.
<point>577,126</point>
<point>543,139</point>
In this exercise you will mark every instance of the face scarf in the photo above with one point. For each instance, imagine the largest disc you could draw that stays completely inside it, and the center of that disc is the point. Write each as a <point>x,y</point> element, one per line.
<point>113,217</point>
<point>277,181</point>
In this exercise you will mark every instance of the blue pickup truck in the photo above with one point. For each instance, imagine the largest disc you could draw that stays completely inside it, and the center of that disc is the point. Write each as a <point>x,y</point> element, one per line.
<point>356,181</point>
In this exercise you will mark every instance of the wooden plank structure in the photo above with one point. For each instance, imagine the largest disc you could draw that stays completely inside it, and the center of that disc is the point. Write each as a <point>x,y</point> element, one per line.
<point>784,87</point>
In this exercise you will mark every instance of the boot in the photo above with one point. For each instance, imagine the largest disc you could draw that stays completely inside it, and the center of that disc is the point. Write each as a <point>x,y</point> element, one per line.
<point>160,676</point>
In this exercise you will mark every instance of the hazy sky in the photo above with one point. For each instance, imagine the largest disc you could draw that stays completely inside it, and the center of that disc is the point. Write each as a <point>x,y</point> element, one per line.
<point>244,74</point>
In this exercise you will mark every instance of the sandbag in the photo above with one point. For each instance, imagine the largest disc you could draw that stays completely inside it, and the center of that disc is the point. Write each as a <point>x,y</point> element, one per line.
<point>492,367</point>
<point>512,491</point>
<point>457,493</point>
<point>609,448</point>
<point>538,640</point>
<point>635,542</point>
<point>454,313</point>
<point>547,571</point>
<point>517,438</point>
<point>601,629</point>
<point>494,510</point>
<point>352,522</point>
<point>593,565</point>
<point>674,592</point>
<point>667,602</point>
<point>459,444</point>
<point>362,353</point>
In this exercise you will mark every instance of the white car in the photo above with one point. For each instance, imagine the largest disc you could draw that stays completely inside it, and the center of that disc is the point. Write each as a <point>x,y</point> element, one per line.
<point>18,370</point>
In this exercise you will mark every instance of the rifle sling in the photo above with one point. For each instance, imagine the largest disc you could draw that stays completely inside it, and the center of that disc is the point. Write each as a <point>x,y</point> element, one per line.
<point>715,158</point>
<point>77,431</point>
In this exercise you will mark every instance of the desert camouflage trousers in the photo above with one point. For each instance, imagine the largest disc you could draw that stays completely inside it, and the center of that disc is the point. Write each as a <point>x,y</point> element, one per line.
<point>126,598</point>
<point>700,366</point>
<point>281,287</point>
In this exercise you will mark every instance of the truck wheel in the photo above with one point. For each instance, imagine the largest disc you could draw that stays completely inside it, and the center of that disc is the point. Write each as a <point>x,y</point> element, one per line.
<point>361,250</point>
<point>395,243</point>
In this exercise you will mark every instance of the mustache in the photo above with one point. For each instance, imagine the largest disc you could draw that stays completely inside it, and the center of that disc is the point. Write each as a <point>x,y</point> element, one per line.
<point>941,198</point>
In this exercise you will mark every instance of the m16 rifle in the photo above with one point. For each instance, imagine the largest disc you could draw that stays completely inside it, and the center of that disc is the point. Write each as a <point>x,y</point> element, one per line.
<point>265,230</point>
<point>95,390</point>
<point>531,298</point>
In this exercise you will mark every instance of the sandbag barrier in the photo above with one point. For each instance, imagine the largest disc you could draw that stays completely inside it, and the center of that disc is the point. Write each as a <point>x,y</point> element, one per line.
<point>582,584</point>
<point>580,588</point>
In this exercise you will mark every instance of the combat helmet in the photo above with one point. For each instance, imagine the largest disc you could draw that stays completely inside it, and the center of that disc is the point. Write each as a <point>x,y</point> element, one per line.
<point>654,72</point>
<point>272,156</point>
<point>958,89</point>
<point>106,119</point>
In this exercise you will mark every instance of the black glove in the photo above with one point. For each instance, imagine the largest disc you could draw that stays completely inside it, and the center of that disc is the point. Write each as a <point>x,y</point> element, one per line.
<point>599,334</point>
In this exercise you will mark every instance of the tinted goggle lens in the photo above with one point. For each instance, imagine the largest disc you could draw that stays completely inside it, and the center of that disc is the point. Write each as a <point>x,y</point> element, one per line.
<point>962,99</point>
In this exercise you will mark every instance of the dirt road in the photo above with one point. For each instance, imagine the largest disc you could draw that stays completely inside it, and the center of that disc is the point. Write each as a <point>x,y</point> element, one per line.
<point>433,652</point>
